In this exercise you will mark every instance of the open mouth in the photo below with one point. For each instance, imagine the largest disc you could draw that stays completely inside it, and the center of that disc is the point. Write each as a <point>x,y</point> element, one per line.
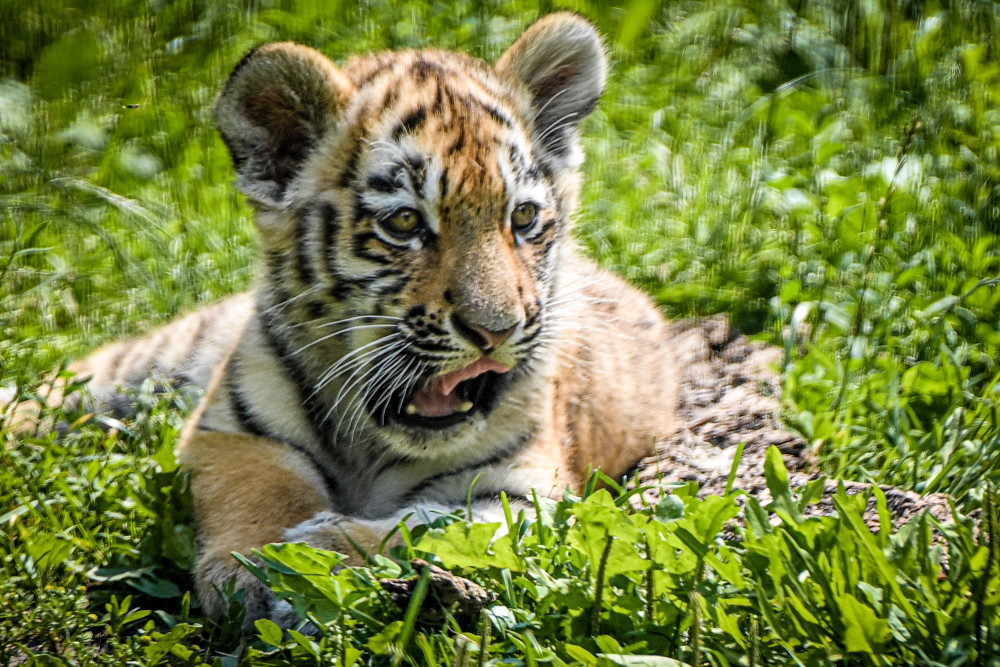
<point>445,400</point>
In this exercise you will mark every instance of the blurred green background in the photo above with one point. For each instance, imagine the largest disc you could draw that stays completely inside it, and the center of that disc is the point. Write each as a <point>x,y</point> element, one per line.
<point>825,172</point>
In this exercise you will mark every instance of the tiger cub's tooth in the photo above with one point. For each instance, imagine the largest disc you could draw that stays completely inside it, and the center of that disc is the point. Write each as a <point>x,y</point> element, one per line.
<point>466,406</point>
<point>411,409</point>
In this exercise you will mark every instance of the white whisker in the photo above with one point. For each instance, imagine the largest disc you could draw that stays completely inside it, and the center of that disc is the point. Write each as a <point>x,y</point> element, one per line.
<point>560,124</point>
<point>328,336</point>
<point>361,317</point>
<point>346,358</point>
<point>282,304</point>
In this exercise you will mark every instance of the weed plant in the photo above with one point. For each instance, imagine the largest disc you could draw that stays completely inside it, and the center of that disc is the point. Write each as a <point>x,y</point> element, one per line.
<point>828,173</point>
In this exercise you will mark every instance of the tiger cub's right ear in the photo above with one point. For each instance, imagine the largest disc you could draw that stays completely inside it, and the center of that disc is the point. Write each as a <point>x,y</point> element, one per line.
<point>278,103</point>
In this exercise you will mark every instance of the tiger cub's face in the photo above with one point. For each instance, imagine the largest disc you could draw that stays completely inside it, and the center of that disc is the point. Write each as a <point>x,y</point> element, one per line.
<point>412,207</point>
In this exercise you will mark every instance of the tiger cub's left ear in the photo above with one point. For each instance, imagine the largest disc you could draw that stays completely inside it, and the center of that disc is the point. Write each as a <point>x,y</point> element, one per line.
<point>279,102</point>
<point>560,60</point>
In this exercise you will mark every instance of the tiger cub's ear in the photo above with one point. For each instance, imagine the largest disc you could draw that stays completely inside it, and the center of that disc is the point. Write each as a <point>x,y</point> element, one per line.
<point>560,60</point>
<point>278,103</point>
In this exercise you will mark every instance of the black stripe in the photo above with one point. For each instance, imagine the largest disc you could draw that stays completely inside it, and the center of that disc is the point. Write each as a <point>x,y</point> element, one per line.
<point>547,225</point>
<point>314,410</point>
<point>493,496</point>
<point>331,482</point>
<point>194,348</point>
<point>516,158</point>
<point>431,346</point>
<point>493,459</point>
<point>350,166</point>
<point>358,245</point>
<point>252,424</point>
<point>199,336</point>
<point>329,230</point>
<point>396,460</point>
<point>382,183</point>
<point>496,114</point>
<point>365,282</point>
<point>315,309</point>
<point>269,326</point>
<point>242,409</point>
<point>391,95</point>
<point>424,69</point>
<point>443,184</point>
<point>410,123</point>
<point>117,358</point>
<point>418,172</point>
<point>435,329</point>
<point>529,337</point>
<point>304,265</point>
<point>341,290</point>
<point>382,274</point>
<point>275,262</point>
<point>362,210</point>
<point>383,65</point>
<point>438,100</point>
<point>547,246</point>
<point>331,224</point>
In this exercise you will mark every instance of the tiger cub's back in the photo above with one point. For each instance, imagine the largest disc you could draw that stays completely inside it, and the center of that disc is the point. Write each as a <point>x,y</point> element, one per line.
<point>181,354</point>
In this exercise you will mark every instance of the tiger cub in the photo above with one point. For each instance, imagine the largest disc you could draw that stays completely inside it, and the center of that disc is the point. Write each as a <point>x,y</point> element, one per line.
<point>423,319</point>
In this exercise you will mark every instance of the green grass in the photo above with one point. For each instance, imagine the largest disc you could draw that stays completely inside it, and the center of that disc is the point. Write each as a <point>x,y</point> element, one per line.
<point>827,173</point>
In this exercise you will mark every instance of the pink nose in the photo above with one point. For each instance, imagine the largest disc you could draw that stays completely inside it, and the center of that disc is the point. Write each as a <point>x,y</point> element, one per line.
<point>483,338</point>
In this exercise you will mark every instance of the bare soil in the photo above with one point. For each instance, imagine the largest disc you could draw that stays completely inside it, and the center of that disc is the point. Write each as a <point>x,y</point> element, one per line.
<point>731,393</point>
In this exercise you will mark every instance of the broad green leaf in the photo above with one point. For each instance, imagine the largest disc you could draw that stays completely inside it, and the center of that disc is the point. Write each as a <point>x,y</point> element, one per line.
<point>884,516</point>
<point>269,631</point>
<point>864,631</point>
<point>706,518</point>
<point>156,587</point>
<point>727,567</point>
<point>598,520</point>
<point>307,578</point>
<point>728,622</point>
<point>757,519</point>
<point>464,544</point>
<point>298,558</point>
<point>669,552</point>
<point>852,518</point>
<point>580,654</point>
<point>307,644</point>
<point>777,483</point>
<point>163,644</point>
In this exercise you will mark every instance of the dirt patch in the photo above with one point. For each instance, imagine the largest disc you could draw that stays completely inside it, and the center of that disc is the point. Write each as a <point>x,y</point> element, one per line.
<point>730,393</point>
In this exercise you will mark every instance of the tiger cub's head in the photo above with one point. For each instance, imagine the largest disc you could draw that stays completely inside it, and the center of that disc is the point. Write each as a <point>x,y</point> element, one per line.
<point>412,210</point>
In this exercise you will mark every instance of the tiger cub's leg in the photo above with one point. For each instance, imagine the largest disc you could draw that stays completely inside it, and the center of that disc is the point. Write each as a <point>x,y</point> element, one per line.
<point>247,492</point>
<point>251,491</point>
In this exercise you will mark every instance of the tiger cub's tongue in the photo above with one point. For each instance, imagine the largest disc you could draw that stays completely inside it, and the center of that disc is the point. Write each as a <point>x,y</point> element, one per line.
<point>438,398</point>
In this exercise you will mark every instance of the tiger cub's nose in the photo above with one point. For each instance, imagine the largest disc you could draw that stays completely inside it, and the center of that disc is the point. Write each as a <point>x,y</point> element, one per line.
<point>485,339</point>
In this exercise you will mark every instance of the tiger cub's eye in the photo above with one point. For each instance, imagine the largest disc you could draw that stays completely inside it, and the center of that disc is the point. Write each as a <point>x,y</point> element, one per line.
<point>524,216</point>
<point>403,223</point>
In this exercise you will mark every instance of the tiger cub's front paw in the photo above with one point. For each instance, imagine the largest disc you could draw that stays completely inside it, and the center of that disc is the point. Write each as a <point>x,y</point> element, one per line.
<point>356,538</point>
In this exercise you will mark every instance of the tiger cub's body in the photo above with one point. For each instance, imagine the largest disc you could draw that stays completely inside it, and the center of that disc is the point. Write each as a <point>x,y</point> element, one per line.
<point>422,319</point>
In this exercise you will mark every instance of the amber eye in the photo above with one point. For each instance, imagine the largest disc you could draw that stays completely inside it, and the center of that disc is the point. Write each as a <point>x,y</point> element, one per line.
<point>524,216</point>
<point>403,223</point>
